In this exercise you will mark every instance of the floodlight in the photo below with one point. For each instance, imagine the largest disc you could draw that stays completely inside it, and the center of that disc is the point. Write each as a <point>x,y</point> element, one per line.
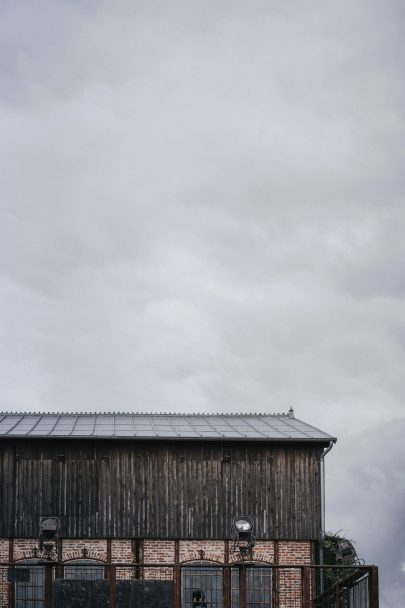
<point>346,553</point>
<point>48,535</point>
<point>49,527</point>
<point>243,539</point>
<point>243,524</point>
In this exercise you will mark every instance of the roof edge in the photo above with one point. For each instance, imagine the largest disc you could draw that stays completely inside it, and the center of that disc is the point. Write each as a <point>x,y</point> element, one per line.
<point>319,440</point>
<point>191,414</point>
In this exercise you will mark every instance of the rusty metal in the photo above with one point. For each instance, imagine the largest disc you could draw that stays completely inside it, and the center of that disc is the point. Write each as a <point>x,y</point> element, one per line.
<point>373,587</point>
<point>227,596</point>
<point>48,585</point>
<point>242,586</point>
<point>11,595</point>
<point>177,587</point>
<point>227,585</point>
<point>113,584</point>
<point>136,550</point>
<point>106,573</point>
<point>306,587</point>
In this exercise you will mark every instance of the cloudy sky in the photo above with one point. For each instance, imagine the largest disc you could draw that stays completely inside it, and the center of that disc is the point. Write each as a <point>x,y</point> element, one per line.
<point>202,209</point>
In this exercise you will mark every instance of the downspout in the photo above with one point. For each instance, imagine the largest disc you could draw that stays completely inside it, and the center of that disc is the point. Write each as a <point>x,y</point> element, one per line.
<point>322,535</point>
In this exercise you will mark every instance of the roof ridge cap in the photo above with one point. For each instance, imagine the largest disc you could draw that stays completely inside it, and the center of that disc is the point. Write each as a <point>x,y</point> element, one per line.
<point>113,413</point>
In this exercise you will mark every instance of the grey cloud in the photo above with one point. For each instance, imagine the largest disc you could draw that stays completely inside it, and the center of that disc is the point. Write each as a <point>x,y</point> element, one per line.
<point>202,210</point>
<point>366,494</point>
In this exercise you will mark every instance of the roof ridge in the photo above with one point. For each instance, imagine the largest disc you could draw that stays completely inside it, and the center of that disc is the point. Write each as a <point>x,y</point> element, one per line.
<point>189,414</point>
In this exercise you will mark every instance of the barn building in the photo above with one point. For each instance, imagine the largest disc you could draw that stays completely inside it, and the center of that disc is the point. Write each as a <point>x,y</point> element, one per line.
<point>144,507</point>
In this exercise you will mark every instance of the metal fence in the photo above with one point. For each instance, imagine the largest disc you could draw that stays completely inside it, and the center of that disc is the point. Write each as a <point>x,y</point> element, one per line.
<point>349,587</point>
<point>199,584</point>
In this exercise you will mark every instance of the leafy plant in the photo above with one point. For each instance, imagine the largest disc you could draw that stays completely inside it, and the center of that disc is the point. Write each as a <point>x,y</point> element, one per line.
<point>330,548</point>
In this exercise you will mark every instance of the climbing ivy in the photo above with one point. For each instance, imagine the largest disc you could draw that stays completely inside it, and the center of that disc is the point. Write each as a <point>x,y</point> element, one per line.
<point>332,540</point>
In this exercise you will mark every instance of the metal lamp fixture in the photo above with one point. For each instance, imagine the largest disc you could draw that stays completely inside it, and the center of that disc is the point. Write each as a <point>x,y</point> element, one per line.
<point>243,538</point>
<point>346,553</point>
<point>48,538</point>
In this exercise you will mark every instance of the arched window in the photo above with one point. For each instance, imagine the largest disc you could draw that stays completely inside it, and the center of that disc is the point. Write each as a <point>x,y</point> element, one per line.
<point>258,584</point>
<point>201,585</point>
<point>84,570</point>
<point>30,593</point>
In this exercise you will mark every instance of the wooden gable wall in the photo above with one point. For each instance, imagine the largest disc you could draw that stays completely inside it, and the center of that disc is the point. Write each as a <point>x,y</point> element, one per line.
<point>156,489</point>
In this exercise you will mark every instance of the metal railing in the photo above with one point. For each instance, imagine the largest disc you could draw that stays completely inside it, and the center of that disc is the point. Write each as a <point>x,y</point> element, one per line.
<point>349,587</point>
<point>199,584</point>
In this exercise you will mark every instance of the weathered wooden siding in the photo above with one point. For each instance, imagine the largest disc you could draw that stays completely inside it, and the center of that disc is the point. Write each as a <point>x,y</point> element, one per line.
<point>159,490</point>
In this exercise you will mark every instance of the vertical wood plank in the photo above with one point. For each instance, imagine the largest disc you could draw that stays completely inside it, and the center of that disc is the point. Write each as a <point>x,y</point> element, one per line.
<point>160,490</point>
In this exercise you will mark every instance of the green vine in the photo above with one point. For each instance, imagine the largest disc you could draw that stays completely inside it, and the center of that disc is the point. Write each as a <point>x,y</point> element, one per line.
<point>330,547</point>
<point>329,557</point>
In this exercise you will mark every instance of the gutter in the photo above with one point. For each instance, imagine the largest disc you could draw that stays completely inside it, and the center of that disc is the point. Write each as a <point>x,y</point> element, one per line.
<point>323,533</point>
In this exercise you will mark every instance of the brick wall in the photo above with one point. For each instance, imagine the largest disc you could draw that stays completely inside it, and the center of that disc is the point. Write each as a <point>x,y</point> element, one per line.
<point>84,549</point>
<point>167,551</point>
<point>158,551</point>
<point>264,551</point>
<point>155,551</point>
<point>4,549</point>
<point>289,581</point>
<point>294,552</point>
<point>213,550</point>
<point>24,548</point>
<point>122,551</point>
<point>4,555</point>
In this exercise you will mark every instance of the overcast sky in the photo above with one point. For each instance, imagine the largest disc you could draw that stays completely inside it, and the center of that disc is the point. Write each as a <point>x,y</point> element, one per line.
<point>202,209</point>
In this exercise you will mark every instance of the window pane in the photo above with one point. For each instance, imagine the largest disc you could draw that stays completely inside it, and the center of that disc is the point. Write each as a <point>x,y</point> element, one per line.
<point>258,588</point>
<point>30,594</point>
<point>201,587</point>
<point>84,570</point>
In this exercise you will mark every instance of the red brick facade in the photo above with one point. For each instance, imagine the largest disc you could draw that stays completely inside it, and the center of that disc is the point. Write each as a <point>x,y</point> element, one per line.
<point>160,551</point>
<point>150,551</point>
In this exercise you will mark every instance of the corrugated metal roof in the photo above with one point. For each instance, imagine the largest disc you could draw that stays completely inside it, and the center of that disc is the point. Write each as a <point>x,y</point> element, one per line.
<point>270,427</point>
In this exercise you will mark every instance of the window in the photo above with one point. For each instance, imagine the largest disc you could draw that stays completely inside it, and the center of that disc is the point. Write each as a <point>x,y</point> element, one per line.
<point>259,587</point>
<point>84,570</point>
<point>201,585</point>
<point>30,593</point>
